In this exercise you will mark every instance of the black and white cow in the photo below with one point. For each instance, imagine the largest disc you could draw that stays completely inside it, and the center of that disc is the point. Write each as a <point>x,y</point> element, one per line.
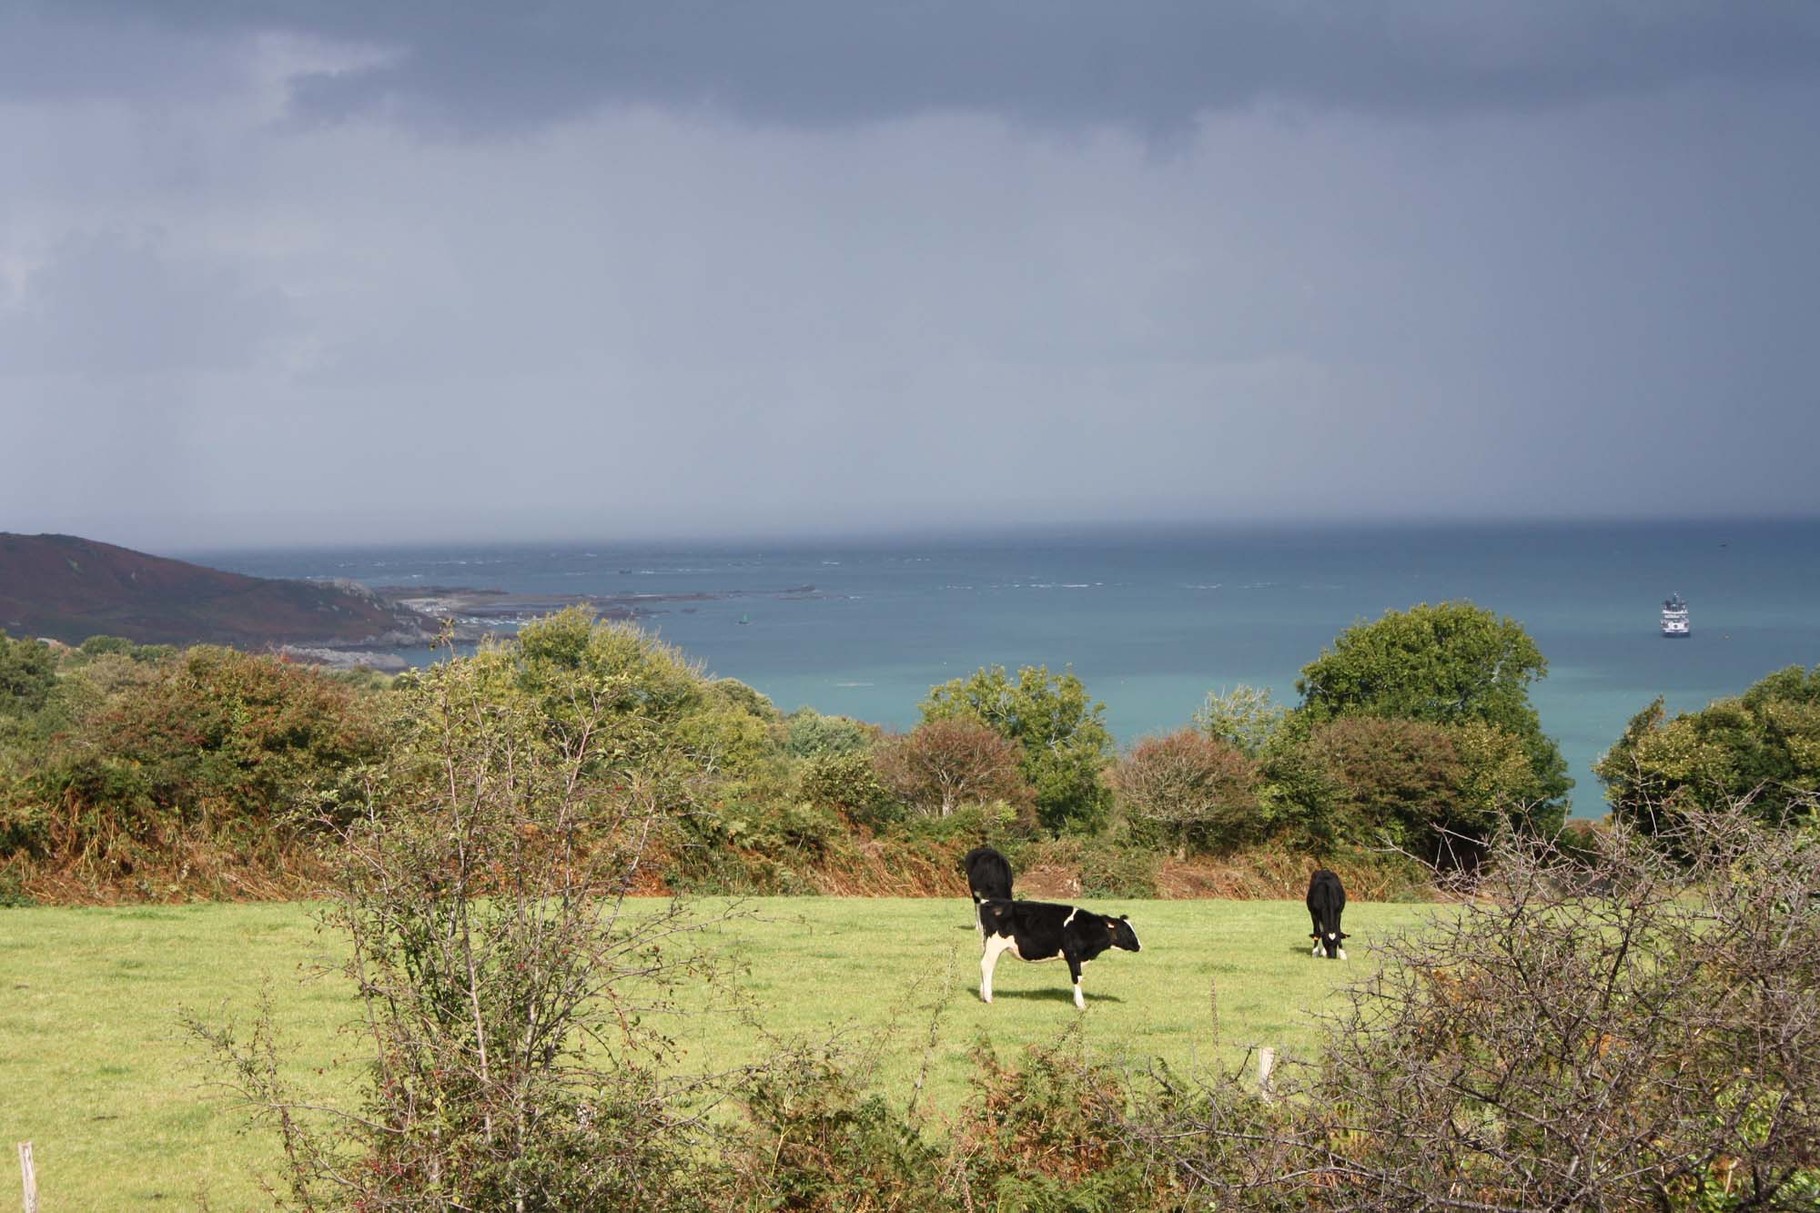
<point>1038,930</point>
<point>988,875</point>
<point>1326,901</point>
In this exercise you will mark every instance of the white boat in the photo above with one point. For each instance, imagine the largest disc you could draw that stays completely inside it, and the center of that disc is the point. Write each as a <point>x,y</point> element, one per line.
<point>1674,616</point>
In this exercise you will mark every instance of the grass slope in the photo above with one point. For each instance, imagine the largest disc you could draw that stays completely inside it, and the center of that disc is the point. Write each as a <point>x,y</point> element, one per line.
<point>97,1073</point>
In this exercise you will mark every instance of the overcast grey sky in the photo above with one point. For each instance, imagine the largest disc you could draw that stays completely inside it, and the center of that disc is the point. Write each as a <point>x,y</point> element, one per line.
<point>277,271</point>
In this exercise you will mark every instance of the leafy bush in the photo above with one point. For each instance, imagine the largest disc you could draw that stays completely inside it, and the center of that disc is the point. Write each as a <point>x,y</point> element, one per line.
<point>1619,1033</point>
<point>812,1139</point>
<point>1245,717</point>
<point>481,889</point>
<point>943,764</point>
<point>228,743</point>
<point>1446,664</point>
<point>1762,748</point>
<point>847,783</point>
<point>1060,732</point>
<point>1195,788</point>
<point>1398,781</point>
<point>27,674</point>
<point>1046,1136</point>
<point>1111,870</point>
<point>809,734</point>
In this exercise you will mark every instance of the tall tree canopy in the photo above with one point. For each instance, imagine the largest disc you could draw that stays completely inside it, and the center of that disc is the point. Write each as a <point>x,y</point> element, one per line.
<point>1060,732</point>
<point>1453,664</point>
<point>1762,748</point>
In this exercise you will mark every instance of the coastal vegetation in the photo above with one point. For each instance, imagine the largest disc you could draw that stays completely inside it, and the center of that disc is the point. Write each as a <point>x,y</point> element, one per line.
<point>1760,749</point>
<point>1616,1018</point>
<point>150,772</point>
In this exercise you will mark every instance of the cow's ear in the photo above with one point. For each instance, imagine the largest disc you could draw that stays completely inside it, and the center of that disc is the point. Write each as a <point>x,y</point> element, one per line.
<point>1124,918</point>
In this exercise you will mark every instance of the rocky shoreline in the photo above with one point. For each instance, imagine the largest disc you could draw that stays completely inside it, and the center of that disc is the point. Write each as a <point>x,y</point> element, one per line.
<point>466,615</point>
<point>65,588</point>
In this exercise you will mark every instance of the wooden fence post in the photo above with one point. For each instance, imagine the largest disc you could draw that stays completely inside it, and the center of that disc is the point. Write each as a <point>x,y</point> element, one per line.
<point>30,1176</point>
<point>1267,1060</point>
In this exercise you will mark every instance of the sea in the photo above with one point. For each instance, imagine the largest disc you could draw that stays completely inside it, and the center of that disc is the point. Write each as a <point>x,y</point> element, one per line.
<point>1153,619</point>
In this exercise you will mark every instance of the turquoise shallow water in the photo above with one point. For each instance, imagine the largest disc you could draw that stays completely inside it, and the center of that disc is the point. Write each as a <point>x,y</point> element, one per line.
<point>1153,619</point>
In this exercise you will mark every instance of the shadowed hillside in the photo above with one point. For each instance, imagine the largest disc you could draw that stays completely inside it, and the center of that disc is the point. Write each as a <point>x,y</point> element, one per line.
<point>68,589</point>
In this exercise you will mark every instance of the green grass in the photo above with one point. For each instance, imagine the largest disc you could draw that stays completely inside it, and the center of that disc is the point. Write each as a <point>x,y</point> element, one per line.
<point>97,1072</point>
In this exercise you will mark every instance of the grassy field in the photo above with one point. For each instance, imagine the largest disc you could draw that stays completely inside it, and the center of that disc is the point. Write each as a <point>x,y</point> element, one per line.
<point>97,1072</point>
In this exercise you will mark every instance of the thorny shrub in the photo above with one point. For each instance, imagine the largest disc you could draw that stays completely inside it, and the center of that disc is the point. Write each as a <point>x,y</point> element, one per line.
<point>1629,1032</point>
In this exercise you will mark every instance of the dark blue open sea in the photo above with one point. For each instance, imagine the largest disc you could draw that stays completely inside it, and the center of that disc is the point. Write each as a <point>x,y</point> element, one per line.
<point>1152,619</point>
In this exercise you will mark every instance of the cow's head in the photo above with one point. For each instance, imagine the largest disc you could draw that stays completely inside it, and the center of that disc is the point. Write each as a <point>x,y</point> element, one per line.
<point>1329,944</point>
<point>1122,934</point>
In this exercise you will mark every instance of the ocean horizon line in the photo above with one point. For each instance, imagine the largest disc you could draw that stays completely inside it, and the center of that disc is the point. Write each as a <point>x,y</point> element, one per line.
<point>985,535</point>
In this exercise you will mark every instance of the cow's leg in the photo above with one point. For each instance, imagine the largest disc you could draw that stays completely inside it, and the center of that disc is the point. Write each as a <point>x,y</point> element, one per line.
<point>1315,934</point>
<point>1074,974</point>
<point>996,945</point>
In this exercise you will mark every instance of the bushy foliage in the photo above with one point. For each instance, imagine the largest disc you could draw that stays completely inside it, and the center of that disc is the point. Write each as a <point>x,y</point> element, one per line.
<point>943,764</point>
<point>503,983</point>
<point>1246,717</point>
<point>1450,664</point>
<point>809,734</point>
<point>1438,792</point>
<point>1044,1133</point>
<point>1620,1034</point>
<point>813,1139</point>
<point>1060,732</point>
<point>848,783</point>
<point>1047,1135</point>
<point>103,646</point>
<point>229,743</point>
<point>27,674</point>
<point>1595,1030</point>
<point>1399,781</point>
<point>1762,748</point>
<point>1196,789</point>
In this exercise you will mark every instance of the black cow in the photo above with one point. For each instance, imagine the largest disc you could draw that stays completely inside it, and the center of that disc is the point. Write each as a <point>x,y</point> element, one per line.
<point>1037,930</point>
<point>1326,901</point>
<point>988,875</point>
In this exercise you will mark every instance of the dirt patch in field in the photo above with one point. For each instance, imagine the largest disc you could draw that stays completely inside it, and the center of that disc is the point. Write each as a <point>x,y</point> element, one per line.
<point>1049,882</point>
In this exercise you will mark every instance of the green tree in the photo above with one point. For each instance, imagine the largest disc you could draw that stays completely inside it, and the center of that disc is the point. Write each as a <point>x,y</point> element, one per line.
<point>1059,730</point>
<point>625,690</point>
<point>1245,716</point>
<point>1761,749</point>
<point>1404,782</point>
<point>28,671</point>
<point>1448,665</point>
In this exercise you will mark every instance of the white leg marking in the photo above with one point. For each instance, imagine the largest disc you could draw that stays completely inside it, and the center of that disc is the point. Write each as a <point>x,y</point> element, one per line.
<point>1080,1003</point>
<point>996,945</point>
<point>1317,948</point>
<point>1342,953</point>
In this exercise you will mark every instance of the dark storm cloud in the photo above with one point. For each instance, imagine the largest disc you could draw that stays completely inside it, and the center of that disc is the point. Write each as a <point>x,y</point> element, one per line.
<point>814,265</point>
<point>1153,66</point>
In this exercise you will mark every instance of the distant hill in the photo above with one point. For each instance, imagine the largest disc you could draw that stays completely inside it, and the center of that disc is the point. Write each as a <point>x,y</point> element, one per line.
<point>65,588</point>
